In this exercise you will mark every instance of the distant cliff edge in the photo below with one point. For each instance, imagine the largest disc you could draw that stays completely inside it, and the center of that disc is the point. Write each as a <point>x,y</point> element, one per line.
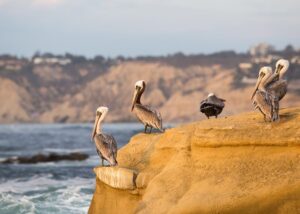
<point>68,88</point>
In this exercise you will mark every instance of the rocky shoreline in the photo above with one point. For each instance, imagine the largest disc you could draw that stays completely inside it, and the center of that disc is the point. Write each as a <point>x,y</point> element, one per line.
<point>43,158</point>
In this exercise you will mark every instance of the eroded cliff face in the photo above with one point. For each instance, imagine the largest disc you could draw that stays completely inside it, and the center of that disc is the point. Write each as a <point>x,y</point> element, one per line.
<point>237,164</point>
<point>51,94</point>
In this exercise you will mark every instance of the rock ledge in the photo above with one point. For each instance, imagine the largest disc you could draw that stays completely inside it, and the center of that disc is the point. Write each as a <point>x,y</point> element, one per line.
<point>238,164</point>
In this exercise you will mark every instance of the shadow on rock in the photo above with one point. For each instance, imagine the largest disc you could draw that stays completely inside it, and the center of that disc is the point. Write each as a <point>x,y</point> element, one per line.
<point>285,117</point>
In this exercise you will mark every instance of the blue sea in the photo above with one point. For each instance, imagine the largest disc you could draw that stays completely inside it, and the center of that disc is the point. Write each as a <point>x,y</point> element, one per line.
<point>55,187</point>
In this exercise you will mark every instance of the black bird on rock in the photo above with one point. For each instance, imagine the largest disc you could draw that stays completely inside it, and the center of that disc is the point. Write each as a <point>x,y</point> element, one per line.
<point>212,105</point>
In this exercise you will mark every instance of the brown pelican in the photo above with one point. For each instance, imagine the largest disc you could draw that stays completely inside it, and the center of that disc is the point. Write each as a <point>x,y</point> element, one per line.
<point>275,84</point>
<point>273,87</point>
<point>212,105</point>
<point>263,100</point>
<point>106,145</point>
<point>147,115</point>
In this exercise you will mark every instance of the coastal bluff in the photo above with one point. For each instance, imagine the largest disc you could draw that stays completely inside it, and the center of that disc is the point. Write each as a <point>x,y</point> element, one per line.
<point>236,164</point>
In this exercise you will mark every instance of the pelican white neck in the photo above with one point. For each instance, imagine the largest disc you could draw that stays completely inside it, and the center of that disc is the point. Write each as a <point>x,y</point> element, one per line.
<point>140,83</point>
<point>100,115</point>
<point>265,70</point>
<point>283,63</point>
<point>282,66</point>
<point>211,95</point>
<point>103,110</point>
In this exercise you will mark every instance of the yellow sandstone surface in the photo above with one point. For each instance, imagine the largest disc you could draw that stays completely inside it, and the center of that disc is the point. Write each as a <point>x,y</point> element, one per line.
<point>120,178</point>
<point>238,164</point>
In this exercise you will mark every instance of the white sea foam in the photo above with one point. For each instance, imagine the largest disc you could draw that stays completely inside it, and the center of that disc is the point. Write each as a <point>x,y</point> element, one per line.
<point>21,192</point>
<point>43,194</point>
<point>10,203</point>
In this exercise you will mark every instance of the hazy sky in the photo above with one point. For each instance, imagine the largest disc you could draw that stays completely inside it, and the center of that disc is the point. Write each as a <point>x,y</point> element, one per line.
<point>145,27</point>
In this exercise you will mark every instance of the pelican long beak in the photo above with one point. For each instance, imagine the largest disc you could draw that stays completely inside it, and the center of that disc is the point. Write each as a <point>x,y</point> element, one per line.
<point>95,125</point>
<point>278,69</point>
<point>256,87</point>
<point>135,96</point>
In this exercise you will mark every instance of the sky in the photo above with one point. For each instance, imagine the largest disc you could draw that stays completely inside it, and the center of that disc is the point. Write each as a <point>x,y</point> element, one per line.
<point>145,27</point>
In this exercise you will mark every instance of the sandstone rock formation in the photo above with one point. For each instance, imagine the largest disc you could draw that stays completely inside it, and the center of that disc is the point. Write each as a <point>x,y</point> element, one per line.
<point>237,164</point>
<point>15,102</point>
<point>116,177</point>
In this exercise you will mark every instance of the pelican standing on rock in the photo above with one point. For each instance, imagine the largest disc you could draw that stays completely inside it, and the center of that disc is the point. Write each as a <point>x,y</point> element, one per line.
<point>212,105</point>
<point>147,115</point>
<point>273,87</point>
<point>276,85</point>
<point>263,100</point>
<point>106,145</point>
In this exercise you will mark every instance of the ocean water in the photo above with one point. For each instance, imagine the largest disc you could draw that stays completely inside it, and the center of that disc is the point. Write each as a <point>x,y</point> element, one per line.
<point>55,187</point>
